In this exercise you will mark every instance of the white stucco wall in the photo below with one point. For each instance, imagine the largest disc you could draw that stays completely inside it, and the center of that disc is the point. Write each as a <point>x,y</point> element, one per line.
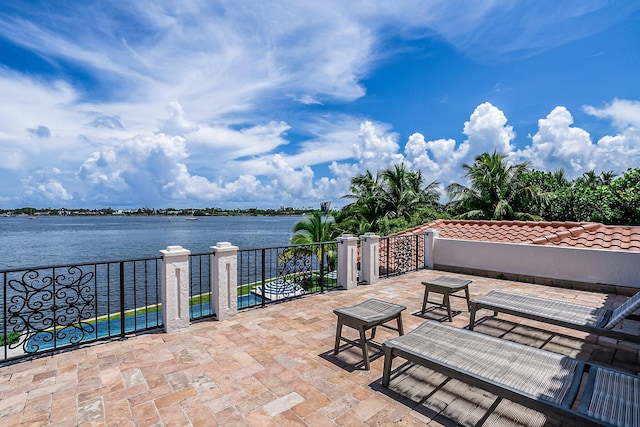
<point>619,268</point>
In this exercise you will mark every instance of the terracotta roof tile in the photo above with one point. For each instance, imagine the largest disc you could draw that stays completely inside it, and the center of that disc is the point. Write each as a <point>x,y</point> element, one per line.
<point>576,234</point>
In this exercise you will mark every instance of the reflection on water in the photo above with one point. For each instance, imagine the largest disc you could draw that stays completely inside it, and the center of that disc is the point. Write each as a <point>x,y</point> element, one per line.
<point>74,240</point>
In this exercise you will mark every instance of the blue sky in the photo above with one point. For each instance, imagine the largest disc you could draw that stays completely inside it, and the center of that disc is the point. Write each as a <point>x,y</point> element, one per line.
<point>243,104</point>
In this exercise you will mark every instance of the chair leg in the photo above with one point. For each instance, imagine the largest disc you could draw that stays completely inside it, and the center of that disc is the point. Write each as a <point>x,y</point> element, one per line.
<point>424,300</point>
<point>447,302</point>
<point>365,350</point>
<point>472,316</point>
<point>373,333</point>
<point>338,336</point>
<point>386,372</point>
<point>400,327</point>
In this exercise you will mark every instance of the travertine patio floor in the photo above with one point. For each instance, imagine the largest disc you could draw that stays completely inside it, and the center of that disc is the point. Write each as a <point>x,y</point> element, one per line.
<point>275,366</point>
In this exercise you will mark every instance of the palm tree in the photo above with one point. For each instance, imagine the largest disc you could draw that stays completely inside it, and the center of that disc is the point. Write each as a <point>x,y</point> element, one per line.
<point>313,229</point>
<point>427,195</point>
<point>606,178</point>
<point>395,193</point>
<point>495,191</point>
<point>364,185</point>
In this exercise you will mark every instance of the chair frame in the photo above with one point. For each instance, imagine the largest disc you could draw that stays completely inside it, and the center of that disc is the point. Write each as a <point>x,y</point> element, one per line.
<point>396,348</point>
<point>476,304</point>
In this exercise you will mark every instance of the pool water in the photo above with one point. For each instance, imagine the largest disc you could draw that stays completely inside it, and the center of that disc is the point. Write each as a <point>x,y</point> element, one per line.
<point>90,332</point>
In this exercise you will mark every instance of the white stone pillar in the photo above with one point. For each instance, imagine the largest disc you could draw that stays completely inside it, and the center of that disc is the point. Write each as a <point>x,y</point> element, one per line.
<point>224,280</point>
<point>370,263</point>
<point>430,237</point>
<point>347,261</point>
<point>175,288</point>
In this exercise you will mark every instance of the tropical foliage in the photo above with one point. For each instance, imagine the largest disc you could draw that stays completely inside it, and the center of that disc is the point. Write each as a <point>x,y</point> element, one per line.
<point>314,229</point>
<point>496,190</point>
<point>397,198</point>
<point>390,200</point>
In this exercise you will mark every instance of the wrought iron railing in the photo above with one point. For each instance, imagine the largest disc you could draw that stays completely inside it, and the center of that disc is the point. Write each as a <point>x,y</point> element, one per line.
<point>269,275</point>
<point>200,286</point>
<point>401,254</point>
<point>47,308</point>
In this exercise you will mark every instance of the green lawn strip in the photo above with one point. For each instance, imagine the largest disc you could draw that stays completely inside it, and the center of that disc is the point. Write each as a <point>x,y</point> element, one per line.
<point>11,338</point>
<point>205,298</point>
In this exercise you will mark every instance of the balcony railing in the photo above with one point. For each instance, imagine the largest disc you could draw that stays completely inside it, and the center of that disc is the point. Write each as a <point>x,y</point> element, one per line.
<point>48,308</point>
<point>401,254</point>
<point>200,293</point>
<point>269,275</point>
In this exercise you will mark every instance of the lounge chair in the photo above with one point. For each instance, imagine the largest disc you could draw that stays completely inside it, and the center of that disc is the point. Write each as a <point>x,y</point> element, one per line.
<point>279,289</point>
<point>541,380</point>
<point>595,320</point>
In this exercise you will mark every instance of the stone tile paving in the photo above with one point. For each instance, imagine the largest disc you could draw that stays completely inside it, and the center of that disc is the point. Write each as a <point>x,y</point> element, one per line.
<point>275,367</point>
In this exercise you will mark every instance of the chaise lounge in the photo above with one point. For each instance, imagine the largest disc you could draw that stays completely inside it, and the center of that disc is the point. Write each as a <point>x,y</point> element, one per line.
<point>539,379</point>
<point>595,320</point>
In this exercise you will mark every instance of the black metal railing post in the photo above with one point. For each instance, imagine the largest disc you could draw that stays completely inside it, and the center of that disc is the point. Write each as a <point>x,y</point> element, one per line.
<point>263,270</point>
<point>388,250</point>
<point>4,314</point>
<point>417,251</point>
<point>322,267</point>
<point>122,308</point>
<point>54,307</point>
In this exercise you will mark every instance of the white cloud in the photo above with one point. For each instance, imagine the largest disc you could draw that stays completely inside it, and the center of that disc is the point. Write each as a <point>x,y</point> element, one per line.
<point>558,145</point>
<point>308,100</point>
<point>493,30</point>
<point>151,165</point>
<point>623,113</point>
<point>616,152</point>
<point>177,123</point>
<point>376,148</point>
<point>417,156</point>
<point>487,130</point>
<point>45,186</point>
<point>195,102</point>
<point>442,159</point>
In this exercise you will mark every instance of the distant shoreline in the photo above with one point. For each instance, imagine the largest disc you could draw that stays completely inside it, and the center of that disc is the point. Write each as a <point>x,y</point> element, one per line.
<point>206,212</point>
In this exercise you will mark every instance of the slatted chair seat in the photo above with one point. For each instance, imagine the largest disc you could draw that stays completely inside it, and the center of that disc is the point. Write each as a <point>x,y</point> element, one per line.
<point>596,320</point>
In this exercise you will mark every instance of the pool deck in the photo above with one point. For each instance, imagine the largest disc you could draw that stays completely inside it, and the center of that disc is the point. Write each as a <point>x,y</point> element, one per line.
<point>275,367</point>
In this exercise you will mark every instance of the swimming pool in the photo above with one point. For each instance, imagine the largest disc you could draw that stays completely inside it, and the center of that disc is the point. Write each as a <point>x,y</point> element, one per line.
<point>42,341</point>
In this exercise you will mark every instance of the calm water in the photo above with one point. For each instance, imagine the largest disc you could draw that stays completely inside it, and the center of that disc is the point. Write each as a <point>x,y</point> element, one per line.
<point>73,240</point>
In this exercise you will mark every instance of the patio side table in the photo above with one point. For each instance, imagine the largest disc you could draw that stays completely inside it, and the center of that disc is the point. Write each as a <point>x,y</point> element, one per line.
<point>446,286</point>
<point>364,316</point>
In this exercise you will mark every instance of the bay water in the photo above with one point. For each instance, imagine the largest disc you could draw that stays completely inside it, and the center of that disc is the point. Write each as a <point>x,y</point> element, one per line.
<point>62,240</point>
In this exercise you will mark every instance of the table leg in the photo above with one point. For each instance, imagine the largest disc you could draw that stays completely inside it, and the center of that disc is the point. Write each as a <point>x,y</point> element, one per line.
<point>400,327</point>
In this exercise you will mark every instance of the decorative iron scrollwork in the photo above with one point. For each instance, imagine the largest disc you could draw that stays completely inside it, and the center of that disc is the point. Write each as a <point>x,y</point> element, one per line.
<point>295,265</point>
<point>51,308</point>
<point>400,254</point>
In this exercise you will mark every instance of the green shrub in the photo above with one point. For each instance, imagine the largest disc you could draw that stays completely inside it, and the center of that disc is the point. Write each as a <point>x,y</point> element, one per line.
<point>12,338</point>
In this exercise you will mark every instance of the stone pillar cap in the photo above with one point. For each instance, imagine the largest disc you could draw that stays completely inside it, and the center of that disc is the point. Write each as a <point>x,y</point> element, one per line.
<point>224,246</point>
<point>175,250</point>
<point>347,237</point>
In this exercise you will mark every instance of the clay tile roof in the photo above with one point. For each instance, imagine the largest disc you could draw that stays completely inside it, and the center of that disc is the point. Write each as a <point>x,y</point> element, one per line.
<point>577,234</point>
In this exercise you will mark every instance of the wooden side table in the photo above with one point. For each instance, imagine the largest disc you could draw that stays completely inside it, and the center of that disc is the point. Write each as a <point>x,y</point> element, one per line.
<point>446,286</point>
<point>364,316</point>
